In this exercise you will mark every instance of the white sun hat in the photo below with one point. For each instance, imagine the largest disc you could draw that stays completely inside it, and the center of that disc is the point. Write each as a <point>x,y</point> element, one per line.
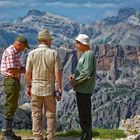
<point>83,38</point>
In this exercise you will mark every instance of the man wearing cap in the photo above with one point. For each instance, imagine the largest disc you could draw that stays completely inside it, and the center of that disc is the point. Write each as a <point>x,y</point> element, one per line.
<point>11,69</point>
<point>43,67</point>
<point>83,82</point>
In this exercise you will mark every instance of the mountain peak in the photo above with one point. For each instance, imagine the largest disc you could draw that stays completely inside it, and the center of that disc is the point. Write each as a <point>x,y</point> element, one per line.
<point>35,13</point>
<point>122,16</point>
<point>126,12</point>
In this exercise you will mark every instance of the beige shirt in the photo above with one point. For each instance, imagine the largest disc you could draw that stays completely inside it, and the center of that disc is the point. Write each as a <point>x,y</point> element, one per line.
<point>43,62</point>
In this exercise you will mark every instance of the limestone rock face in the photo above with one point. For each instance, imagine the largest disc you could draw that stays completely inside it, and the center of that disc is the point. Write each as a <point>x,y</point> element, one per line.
<point>113,56</point>
<point>116,96</point>
<point>131,125</point>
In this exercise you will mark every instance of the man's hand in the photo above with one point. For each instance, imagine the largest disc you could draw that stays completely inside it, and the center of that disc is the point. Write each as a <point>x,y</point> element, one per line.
<point>71,77</point>
<point>71,80</point>
<point>58,94</point>
<point>28,92</point>
<point>22,69</point>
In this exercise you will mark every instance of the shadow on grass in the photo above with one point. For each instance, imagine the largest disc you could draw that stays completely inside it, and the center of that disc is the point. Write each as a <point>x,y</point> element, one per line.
<point>95,133</point>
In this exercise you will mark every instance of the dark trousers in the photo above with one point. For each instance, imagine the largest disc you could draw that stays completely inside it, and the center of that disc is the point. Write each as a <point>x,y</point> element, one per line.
<point>84,110</point>
<point>12,91</point>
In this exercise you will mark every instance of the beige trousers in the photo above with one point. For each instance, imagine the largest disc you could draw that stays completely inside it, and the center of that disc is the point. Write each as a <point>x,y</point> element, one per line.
<point>49,104</point>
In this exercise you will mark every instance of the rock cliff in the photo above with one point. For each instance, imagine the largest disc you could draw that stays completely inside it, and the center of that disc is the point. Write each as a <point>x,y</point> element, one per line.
<point>117,50</point>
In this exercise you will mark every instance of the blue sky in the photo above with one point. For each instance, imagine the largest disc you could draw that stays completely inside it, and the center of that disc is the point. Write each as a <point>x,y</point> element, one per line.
<point>82,11</point>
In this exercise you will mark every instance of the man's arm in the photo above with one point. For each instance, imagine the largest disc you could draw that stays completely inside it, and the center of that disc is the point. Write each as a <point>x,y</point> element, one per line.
<point>58,75</point>
<point>16,71</point>
<point>28,76</point>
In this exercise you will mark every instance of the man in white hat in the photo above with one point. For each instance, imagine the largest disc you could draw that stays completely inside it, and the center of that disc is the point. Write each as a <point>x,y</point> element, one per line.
<point>83,82</point>
<point>43,66</point>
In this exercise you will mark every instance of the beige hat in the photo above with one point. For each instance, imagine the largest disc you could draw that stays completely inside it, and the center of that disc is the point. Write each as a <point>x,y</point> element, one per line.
<point>44,35</point>
<point>83,38</point>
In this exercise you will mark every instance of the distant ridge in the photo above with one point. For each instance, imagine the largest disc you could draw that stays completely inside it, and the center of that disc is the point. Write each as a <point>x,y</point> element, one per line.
<point>122,16</point>
<point>122,29</point>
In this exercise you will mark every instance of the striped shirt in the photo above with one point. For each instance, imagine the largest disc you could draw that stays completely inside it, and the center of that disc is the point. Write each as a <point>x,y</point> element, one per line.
<point>42,63</point>
<point>10,59</point>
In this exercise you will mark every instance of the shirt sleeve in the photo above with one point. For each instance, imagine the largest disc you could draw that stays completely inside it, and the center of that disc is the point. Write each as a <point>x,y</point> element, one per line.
<point>86,71</point>
<point>58,64</point>
<point>29,63</point>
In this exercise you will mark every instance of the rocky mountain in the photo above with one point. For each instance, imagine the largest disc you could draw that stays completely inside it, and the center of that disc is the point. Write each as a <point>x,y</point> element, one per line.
<point>123,15</point>
<point>61,28</point>
<point>6,37</point>
<point>117,93</point>
<point>122,29</point>
<point>115,41</point>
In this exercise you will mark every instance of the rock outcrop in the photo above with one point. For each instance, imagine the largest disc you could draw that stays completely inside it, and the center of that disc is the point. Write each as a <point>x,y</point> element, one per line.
<point>131,125</point>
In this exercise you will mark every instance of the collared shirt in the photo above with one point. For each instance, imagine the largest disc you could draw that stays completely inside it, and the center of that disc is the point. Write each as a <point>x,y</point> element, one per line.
<point>10,59</point>
<point>42,63</point>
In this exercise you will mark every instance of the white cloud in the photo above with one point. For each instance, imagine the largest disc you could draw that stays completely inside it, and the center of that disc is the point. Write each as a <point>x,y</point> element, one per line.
<point>11,4</point>
<point>85,5</point>
<point>97,5</point>
<point>92,4</point>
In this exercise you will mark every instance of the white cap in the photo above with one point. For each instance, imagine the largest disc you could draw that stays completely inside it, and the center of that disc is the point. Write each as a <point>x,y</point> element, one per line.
<point>83,38</point>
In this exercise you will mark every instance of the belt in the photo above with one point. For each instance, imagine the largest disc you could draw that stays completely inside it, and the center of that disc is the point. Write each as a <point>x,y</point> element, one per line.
<point>15,78</point>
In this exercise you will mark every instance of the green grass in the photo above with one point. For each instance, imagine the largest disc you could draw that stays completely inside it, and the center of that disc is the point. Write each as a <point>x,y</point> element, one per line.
<point>97,133</point>
<point>108,133</point>
<point>26,133</point>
